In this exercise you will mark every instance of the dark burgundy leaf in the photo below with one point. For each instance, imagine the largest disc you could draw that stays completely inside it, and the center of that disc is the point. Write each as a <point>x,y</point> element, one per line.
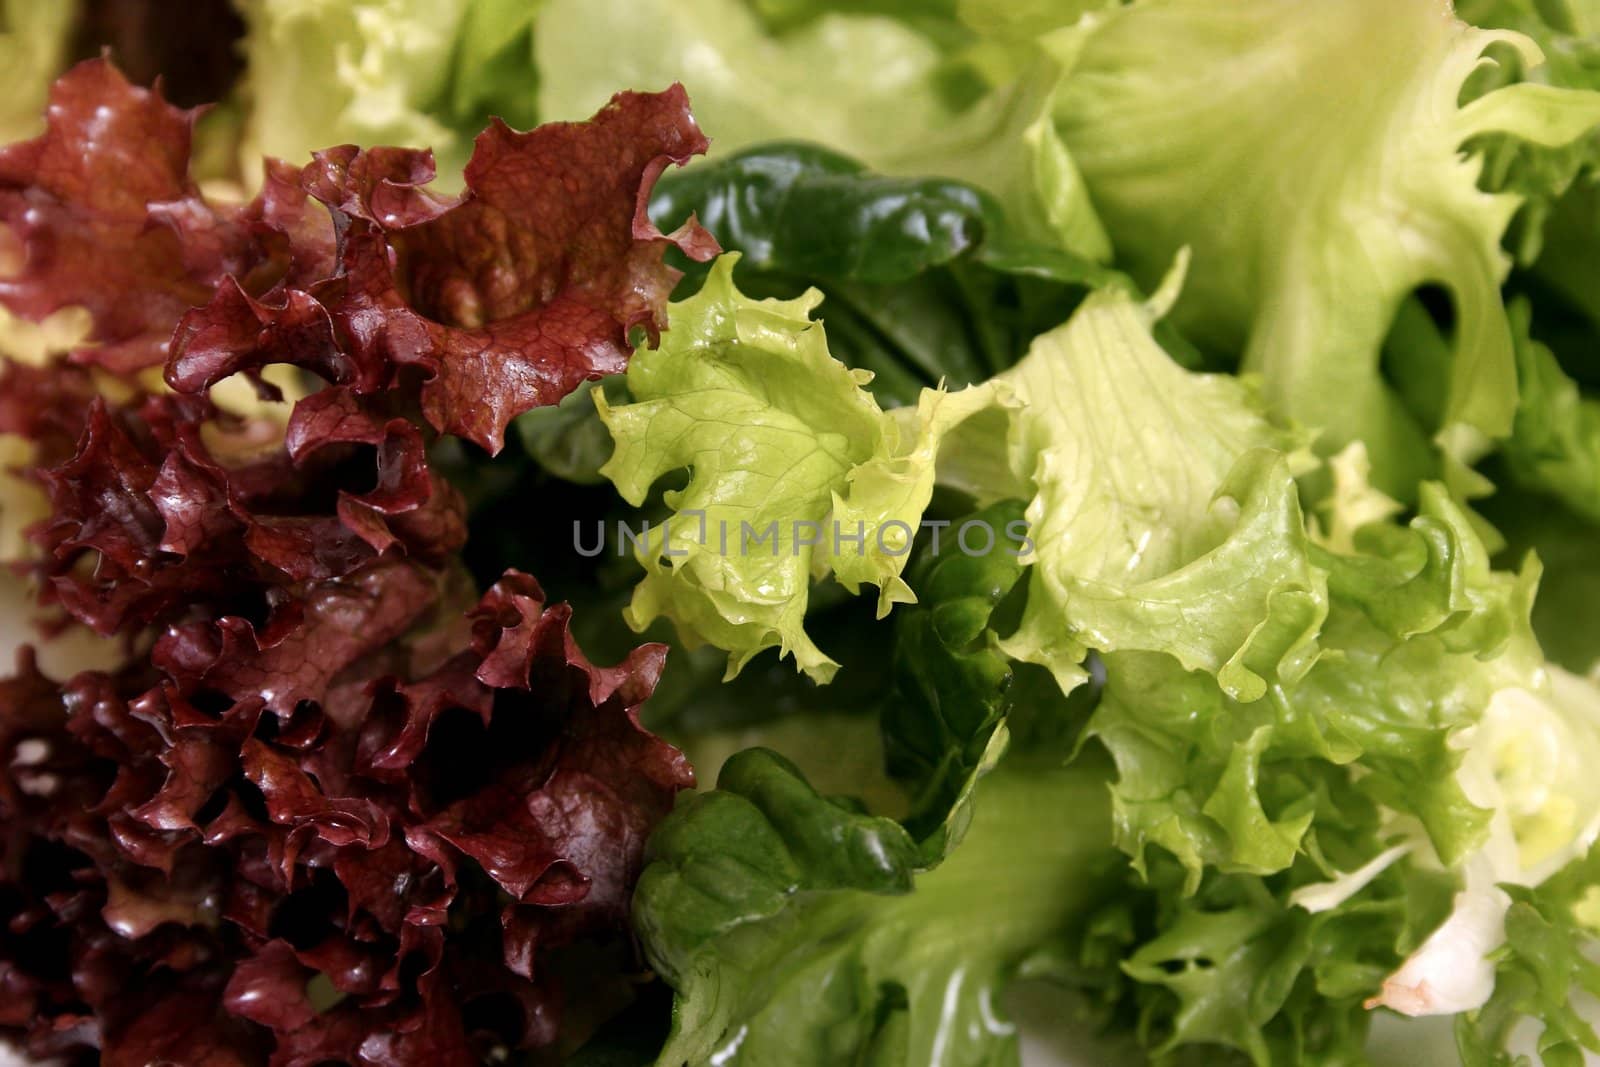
<point>110,220</point>
<point>336,807</point>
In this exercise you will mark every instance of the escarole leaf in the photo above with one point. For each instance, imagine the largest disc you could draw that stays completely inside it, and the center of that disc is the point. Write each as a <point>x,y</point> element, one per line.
<point>1568,38</point>
<point>1312,160</point>
<point>1419,639</point>
<point>1546,962</point>
<point>898,112</point>
<point>795,472</point>
<point>1164,512</point>
<point>796,932</point>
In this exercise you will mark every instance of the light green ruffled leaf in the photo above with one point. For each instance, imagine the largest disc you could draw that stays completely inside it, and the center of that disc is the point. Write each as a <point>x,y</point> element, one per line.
<point>1164,514</point>
<point>795,472</point>
<point>369,72</point>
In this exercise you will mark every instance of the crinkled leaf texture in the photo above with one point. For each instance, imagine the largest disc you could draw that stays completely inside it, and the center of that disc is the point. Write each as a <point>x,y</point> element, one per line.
<point>334,806</point>
<point>924,279</point>
<point>505,299</point>
<point>1164,513</point>
<point>1420,639</point>
<point>1311,158</point>
<point>400,72</point>
<point>1545,966</point>
<point>796,931</point>
<point>413,826</point>
<point>785,447</point>
<point>107,218</point>
<point>1567,33</point>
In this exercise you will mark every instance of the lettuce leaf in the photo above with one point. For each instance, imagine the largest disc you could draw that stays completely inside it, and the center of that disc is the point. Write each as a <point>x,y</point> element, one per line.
<point>330,72</point>
<point>578,275</point>
<point>925,280</point>
<point>33,45</point>
<point>1314,165</point>
<point>254,839</point>
<point>1420,636</point>
<point>797,931</point>
<point>1545,964</point>
<point>1567,33</point>
<point>1186,539</point>
<point>815,479</point>
<point>898,113</point>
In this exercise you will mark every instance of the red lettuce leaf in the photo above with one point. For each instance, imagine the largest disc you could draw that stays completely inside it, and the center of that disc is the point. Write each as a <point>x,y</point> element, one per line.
<point>270,840</point>
<point>505,299</point>
<point>109,218</point>
<point>336,807</point>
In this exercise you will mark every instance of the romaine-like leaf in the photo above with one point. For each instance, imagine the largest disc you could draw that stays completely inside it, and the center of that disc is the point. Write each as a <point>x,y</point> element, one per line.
<point>798,932</point>
<point>1312,160</point>
<point>795,471</point>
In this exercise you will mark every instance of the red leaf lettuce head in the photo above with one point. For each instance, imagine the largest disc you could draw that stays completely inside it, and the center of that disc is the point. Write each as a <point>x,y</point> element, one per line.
<point>336,807</point>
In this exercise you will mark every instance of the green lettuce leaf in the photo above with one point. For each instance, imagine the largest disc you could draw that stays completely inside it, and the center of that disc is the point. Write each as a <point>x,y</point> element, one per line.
<point>369,72</point>
<point>33,49</point>
<point>1567,33</point>
<point>924,279</point>
<point>796,931</point>
<point>1311,158</point>
<point>899,113</point>
<point>795,472</point>
<point>1421,636</point>
<point>1547,960</point>
<point>1164,511</point>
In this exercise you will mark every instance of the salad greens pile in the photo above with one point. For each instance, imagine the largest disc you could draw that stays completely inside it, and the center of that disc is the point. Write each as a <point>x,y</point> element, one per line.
<point>1112,492</point>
